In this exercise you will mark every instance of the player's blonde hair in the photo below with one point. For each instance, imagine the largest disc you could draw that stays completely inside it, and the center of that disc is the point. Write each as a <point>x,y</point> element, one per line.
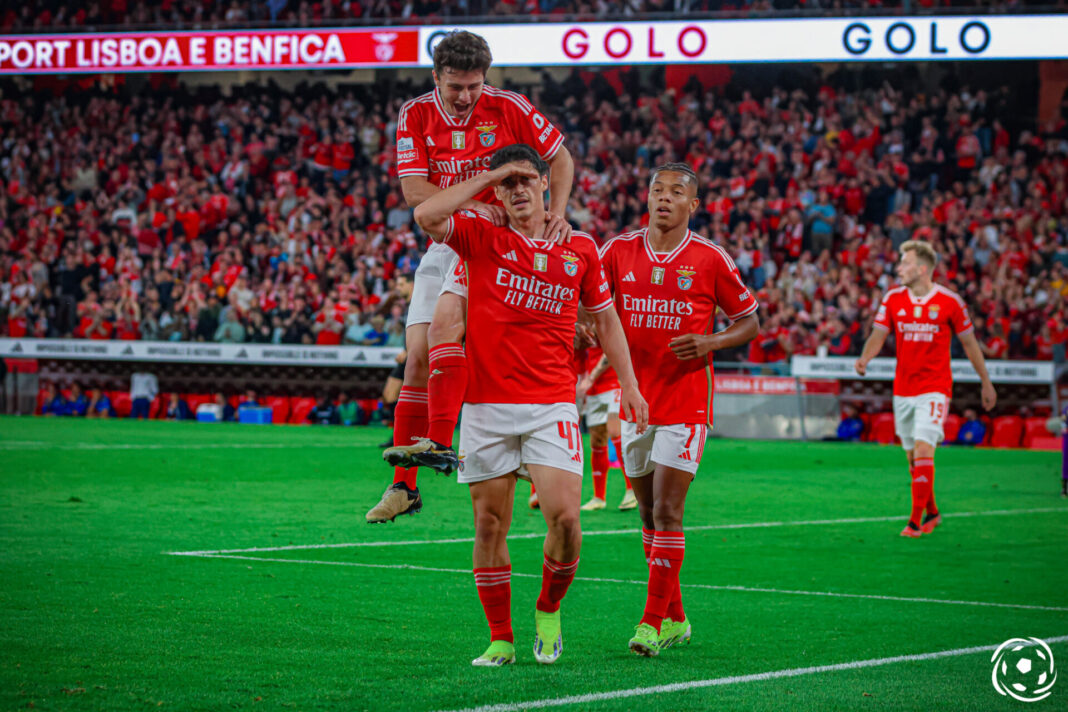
<point>924,252</point>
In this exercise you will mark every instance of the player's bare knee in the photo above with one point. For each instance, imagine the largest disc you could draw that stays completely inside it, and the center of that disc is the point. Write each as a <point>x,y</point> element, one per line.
<point>667,516</point>
<point>416,369</point>
<point>489,525</point>
<point>599,436</point>
<point>564,526</point>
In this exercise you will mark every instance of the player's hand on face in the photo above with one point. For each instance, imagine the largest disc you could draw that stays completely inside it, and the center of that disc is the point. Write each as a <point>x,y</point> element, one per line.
<point>556,230</point>
<point>517,169</point>
<point>690,346</point>
<point>634,408</point>
<point>860,367</point>
<point>990,396</point>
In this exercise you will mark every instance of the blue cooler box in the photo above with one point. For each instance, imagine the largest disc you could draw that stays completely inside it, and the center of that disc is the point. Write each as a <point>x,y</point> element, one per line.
<point>255,415</point>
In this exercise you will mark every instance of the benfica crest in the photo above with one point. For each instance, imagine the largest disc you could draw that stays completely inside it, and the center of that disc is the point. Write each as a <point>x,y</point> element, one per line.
<point>685,278</point>
<point>486,135</point>
<point>932,312</point>
<point>570,265</point>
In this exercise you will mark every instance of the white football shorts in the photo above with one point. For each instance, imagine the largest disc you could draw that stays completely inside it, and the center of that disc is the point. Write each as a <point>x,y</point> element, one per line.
<point>437,264</point>
<point>677,446</point>
<point>920,418</point>
<point>599,407</point>
<point>456,280</point>
<point>497,438</point>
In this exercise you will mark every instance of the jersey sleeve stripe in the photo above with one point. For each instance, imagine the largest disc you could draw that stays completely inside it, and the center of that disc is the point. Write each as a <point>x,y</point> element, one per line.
<point>877,325</point>
<point>555,148</point>
<point>726,257</point>
<point>969,330</point>
<point>606,304</point>
<point>745,312</point>
<point>448,230</point>
<point>408,172</point>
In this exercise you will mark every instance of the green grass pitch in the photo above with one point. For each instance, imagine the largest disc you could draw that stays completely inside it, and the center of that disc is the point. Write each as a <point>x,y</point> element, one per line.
<point>95,614</point>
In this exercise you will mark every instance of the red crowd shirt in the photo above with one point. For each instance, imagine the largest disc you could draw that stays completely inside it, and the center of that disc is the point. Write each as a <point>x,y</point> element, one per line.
<point>523,299</point>
<point>446,150</point>
<point>922,329</point>
<point>607,381</point>
<point>661,296</point>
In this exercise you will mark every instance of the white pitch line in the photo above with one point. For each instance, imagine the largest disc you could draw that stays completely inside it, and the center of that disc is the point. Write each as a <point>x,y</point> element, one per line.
<point>635,582</point>
<point>733,680</point>
<point>613,532</point>
<point>167,446</point>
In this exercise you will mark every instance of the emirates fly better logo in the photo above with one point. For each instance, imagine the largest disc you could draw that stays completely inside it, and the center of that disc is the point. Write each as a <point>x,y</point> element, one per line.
<point>1023,669</point>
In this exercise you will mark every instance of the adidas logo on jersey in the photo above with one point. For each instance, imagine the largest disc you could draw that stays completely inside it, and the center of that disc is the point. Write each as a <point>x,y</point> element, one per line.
<point>510,256</point>
<point>901,312</point>
<point>630,277</point>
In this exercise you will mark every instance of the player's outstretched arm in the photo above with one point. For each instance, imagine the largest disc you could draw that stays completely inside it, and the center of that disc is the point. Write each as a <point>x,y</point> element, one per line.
<point>872,347</point>
<point>433,214</point>
<point>741,332</point>
<point>614,343</point>
<point>561,179</point>
<point>975,355</point>
<point>416,190</point>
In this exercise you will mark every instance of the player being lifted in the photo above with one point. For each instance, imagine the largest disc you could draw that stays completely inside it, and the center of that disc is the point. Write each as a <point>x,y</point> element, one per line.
<point>923,316</point>
<point>444,137</point>
<point>600,386</point>
<point>667,283</point>
<point>520,410</point>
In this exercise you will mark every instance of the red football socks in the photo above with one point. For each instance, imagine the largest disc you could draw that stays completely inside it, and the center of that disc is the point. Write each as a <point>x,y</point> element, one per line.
<point>922,487</point>
<point>409,423</point>
<point>599,464</point>
<point>446,388</point>
<point>555,579</point>
<point>665,561</point>
<point>495,592</point>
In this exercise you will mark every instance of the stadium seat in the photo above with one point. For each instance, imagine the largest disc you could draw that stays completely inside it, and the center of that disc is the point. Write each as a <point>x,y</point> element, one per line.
<point>989,424</point>
<point>235,401</point>
<point>42,394</point>
<point>865,436</point>
<point>951,427</point>
<point>1008,430</point>
<point>158,408</point>
<point>121,402</point>
<point>369,406</point>
<point>299,409</point>
<point>1034,428</point>
<point>279,406</point>
<point>882,428</point>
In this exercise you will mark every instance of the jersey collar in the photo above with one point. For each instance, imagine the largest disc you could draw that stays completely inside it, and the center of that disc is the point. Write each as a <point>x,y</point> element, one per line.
<point>660,257</point>
<point>925,298</point>
<point>448,118</point>
<point>535,244</point>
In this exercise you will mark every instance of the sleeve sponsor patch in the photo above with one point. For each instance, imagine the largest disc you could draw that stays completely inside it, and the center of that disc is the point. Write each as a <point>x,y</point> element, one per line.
<point>406,144</point>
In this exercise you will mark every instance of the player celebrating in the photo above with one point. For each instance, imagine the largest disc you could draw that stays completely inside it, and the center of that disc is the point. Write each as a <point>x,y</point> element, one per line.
<point>668,283</point>
<point>445,137</point>
<point>600,386</point>
<point>922,314</point>
<point>520,411</point>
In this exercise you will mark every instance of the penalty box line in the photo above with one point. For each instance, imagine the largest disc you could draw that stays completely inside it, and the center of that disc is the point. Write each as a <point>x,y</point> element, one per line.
<point>733,680</point>
<point>617,532</point>
<point>702,586</point>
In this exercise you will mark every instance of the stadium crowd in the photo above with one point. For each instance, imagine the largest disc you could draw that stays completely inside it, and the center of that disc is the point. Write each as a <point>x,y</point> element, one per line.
<point>54,14</point>
<point>277,217</point>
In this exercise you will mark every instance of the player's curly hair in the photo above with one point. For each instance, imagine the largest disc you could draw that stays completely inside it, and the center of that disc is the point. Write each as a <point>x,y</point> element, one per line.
<point>462,51</point>
<point>519,152</point>
<point>924,252</point>
<point>683,168</point>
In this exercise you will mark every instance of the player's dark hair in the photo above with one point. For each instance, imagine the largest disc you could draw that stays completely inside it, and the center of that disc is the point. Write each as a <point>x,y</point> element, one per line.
<point>462,51</point>
<point>683,168</point>
<point>519,152</point>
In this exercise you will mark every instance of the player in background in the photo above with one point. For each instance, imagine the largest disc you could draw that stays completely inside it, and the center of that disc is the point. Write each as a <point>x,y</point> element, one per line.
<point>1064,452</point>
<point>443,138</point>
<point>668,282</point>
<point>923,317</point>
<point>600,387</point>
<point>519,409</point>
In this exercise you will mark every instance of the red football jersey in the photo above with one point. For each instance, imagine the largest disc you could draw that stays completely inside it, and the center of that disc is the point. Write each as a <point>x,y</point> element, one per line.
<point>522,305</point>
<point>661,296</point>
<point>922,331</point>
<point>446,150</point>
<point>608,380</point>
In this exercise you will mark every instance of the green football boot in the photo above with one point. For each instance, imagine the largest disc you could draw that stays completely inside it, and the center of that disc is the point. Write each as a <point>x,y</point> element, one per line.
<point>499,652</point>
<point>674,633</point>
<point>548,643</point>
<point>646,640</point>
